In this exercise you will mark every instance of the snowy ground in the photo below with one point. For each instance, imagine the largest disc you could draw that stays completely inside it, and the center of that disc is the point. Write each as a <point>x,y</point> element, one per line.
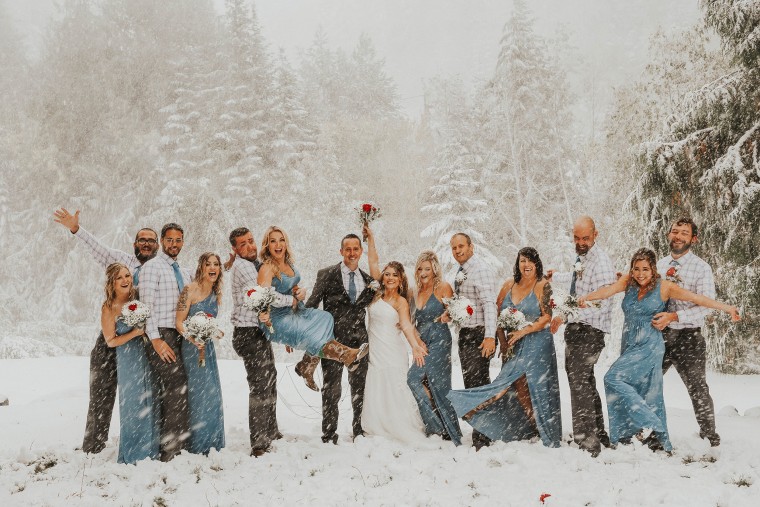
<point>48,401</point>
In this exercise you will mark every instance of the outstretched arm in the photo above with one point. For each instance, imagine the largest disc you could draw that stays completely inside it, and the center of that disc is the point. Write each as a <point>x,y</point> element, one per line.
<point>608,290</point>
<point>102,254</point>
<point>671,290</point>
<point>372,257</point>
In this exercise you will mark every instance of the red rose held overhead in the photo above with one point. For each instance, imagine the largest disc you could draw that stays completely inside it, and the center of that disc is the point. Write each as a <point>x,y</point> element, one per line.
<point>367,208</point>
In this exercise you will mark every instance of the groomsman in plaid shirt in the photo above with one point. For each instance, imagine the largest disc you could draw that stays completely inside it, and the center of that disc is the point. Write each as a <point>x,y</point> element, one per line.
<point>103,382</point>
<point>681,323</point>
<point>584,335</point>
<point>161,282</point>
<point>476,281</point>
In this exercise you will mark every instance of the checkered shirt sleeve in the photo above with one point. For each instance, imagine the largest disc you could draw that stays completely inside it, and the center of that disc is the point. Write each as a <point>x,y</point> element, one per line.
<point>244,276</point>
<point>697,277</point>
<point>104,255</point>
<point>480,288</point>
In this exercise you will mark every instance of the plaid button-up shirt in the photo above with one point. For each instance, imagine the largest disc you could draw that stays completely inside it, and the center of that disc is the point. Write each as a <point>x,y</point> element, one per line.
<point>480,288</point>
<point>159,290</point>
<point>104,255</point>
<point>598,271</point>
<point>696,276</point>
<point>244,276</point>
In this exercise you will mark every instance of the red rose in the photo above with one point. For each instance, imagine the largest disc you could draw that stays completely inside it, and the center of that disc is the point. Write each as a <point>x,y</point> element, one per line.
<point>671,272</point>
<point>543,497</point>
<point>469,310</point>
<point>513,310</point>
<point>209,316</point>
<point>251,292</point>
<point>552,303</point>
<point>367,208</point>
<point>374,209</point>
<point>132,307</point>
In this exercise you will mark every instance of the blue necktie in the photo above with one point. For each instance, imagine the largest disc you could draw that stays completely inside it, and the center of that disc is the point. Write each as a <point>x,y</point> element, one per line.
<point>575,276</point>
<point>456,281</point>
<point>136,276</point>
<point>351,287</point>
<point>178,276</point>
<point>675,263</point>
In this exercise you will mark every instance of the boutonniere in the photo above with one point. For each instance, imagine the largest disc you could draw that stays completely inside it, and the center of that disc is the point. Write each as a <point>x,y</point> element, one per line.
<point>374,285</point>
<point>460,278</point>
<point>672,275</point>
<point>579,268</point>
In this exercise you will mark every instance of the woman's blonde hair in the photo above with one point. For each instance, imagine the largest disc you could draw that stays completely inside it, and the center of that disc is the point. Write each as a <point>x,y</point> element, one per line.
<point>112,272</point>
<point>217,287</point>
<point>432,258</point>
<point>266,257</point>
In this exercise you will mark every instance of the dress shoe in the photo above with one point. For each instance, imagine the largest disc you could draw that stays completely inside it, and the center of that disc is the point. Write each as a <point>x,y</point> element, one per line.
<point>713,438</point>
<point>333,439</point>
<point>257,453</point>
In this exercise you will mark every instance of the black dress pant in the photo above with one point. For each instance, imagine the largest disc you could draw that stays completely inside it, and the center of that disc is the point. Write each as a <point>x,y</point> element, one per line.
<point>251,344</point>
<point>170,382</point>
<point>332,375</point>
<point>103,387</point>
<point>583,345</point>
<point>686,351</point>
<point>475,368</point>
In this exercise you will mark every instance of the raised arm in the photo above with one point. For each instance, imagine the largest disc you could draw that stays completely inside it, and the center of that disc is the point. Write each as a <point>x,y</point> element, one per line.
<point>108,325</point>
<point>405,323</point>
<point>670,290</point>
<point>608,290</point>
<point>372,257</point>
<point>102,254</point>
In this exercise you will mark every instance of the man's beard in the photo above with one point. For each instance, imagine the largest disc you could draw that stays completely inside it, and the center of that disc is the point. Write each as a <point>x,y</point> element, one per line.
<point>679,251</point>
<point>582,249</point>
<point>142,259</point>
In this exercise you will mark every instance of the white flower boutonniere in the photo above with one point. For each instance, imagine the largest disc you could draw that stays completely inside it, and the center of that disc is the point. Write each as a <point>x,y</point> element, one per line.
<point>579,268</point>
<point>374,285</point>
<point>460,278</point>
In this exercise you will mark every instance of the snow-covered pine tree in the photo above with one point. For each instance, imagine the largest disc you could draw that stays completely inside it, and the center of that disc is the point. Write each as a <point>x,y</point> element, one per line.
<point>706,164</point>
<point>528,161</point>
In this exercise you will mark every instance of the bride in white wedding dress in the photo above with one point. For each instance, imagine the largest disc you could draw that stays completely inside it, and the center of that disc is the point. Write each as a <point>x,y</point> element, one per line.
<point>389,406</point>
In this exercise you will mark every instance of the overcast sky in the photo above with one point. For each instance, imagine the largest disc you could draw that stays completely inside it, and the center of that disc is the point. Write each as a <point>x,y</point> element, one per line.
<point>420,39</point>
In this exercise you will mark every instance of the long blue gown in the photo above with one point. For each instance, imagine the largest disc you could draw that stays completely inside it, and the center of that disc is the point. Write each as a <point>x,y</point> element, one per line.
<point>535,359</point>
<point>437,414</point>
<point>634,381</point>
<point>204,389</point>
<point>138,414</point>
<point>303,328</point>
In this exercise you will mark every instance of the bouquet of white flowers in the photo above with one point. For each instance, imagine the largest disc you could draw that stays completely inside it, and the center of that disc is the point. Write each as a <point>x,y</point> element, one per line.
<point>567,305</point>
<point>459,308</point>
<point>511,319</point>
<point>201,327</point>
<point>135,314</point>
<point>260,299</point>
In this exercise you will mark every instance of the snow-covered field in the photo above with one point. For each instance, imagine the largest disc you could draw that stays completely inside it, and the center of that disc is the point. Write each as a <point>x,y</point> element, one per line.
<point>44,422</point>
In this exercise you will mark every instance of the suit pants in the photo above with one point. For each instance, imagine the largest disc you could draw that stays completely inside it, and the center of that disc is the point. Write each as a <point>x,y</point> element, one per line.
<point>686,351</point>
<point>475,368</point>
<point>583,345</point>
<point>170,382</point>
<point>251,344</point>
<point>103,387</point>
<point>332,375</point>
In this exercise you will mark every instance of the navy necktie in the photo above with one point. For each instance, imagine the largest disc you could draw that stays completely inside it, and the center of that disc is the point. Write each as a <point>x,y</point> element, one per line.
<point>575,276</point>
<point>456,279</point>
<point>178,276</point>
<point>351,287</point>
<point>136,276</point>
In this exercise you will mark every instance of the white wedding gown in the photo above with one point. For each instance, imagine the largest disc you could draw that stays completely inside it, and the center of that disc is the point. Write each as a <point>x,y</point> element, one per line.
<point>389,407</point>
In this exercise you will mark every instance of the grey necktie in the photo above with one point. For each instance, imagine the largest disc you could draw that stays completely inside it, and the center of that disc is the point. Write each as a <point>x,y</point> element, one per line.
<point>351,287</point>
<point>575,276</point>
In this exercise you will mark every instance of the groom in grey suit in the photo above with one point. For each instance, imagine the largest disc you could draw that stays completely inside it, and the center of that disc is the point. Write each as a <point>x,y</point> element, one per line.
<point>344,291</point>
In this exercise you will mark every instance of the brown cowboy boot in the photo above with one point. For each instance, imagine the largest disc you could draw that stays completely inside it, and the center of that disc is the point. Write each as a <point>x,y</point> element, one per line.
<point>349,357</point>
<point>306,368</point>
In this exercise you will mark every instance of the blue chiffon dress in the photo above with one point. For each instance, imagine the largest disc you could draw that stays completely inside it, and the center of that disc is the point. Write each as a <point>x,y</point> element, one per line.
<point>301,328</point>
<point>535,359</point>
<point>204,389</point>
<point>634,381</point>
<point>138,413</point>
<point>439,416</point>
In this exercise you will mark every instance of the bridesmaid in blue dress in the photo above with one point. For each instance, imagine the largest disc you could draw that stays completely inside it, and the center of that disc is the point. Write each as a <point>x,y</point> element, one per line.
<point>431,382</point>
<point>294,325</point>
<point>634,382</point>
<point>204,389</point>
<point>523,400</point>
<point>138,414</point>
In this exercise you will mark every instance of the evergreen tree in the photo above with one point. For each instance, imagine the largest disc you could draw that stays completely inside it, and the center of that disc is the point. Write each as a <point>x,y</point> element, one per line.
<point>705,164</point>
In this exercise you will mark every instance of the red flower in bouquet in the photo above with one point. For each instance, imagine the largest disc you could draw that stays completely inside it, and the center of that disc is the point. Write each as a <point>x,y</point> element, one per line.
<point>513,310</point>
<point>543,497</point>
<point>366,208</point>
<point>367,214</point>
<point>671,272</point>
<point>132,307</point>
<point>470,311</point>
<point>250,292</point>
